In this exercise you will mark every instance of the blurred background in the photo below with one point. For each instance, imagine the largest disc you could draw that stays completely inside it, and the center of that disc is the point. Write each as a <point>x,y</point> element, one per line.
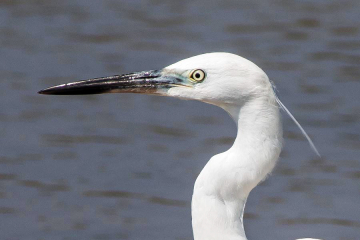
<point>122,166</point>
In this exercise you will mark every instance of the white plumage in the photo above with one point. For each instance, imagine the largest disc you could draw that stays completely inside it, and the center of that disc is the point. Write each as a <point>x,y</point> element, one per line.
<point>244,91</point>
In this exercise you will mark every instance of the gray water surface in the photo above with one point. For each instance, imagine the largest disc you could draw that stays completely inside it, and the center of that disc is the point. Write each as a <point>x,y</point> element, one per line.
<point>122,166</point>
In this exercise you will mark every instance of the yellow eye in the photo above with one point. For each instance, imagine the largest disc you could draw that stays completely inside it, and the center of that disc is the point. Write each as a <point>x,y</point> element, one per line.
<point>197,75</point>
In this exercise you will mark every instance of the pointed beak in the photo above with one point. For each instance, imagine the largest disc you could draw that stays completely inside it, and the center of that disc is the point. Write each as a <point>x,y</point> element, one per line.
<point>147,82</point>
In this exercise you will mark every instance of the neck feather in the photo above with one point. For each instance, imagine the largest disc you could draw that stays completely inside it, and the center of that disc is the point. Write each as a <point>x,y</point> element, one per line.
<point>222,187</point>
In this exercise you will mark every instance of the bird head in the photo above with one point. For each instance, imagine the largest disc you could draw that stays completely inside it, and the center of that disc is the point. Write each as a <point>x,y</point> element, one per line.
<point>216,78</point>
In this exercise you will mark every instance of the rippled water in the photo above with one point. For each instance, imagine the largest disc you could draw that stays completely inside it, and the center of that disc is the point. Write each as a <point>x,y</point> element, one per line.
<point>122,166</point>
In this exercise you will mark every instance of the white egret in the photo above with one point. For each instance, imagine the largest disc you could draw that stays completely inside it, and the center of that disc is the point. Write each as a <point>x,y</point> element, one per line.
<point>244,91</point>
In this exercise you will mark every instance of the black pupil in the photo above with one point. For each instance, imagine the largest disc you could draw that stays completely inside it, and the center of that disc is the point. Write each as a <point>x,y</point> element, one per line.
<point>197,75</point>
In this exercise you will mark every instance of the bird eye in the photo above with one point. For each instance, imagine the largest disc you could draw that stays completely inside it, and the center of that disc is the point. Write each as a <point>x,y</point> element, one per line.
<point>197,75</point>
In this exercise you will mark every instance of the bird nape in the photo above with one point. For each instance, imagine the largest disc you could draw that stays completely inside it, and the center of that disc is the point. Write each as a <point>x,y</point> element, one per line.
<point>243,90</point>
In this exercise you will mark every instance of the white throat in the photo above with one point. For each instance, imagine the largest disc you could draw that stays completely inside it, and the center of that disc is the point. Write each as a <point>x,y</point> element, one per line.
<point>221,189</point>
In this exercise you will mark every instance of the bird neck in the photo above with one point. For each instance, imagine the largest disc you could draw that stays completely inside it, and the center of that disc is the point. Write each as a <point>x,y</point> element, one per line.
<point>222,187</point>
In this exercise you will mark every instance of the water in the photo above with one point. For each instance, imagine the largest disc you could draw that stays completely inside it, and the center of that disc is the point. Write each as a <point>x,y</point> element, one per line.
<point>122,166</point>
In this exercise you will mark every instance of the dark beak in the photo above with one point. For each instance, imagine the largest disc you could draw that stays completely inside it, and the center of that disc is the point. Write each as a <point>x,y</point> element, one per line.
<point>149,82</point>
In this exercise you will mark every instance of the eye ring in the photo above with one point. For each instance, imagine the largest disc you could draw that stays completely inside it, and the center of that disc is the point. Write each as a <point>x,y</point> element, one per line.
<point>197,75</point>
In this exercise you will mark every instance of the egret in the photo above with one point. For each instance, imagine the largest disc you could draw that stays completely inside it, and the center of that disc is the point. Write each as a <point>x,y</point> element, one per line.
<point>244,91</point>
